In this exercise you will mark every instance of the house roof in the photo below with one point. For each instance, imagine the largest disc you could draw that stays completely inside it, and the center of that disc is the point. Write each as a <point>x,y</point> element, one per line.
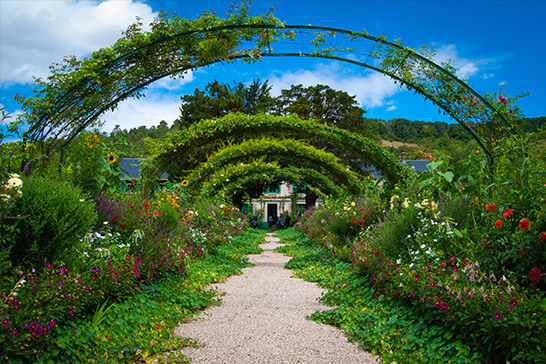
<point>130,169</point>
<point>417,165</point>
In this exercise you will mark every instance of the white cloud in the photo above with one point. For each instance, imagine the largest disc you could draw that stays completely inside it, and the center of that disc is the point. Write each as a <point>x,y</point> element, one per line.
<point>391,108</point>
<point>173,84</point>
<point>149,111</point>
<point>465,67</point>
<point>502,83</point>
<point>370,90</point>
<point>486,76</point>
<point>36,33</point>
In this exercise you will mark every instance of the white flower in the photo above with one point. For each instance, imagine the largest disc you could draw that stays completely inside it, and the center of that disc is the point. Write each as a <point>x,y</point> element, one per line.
<point>82,200</point>
<point>15,183</point>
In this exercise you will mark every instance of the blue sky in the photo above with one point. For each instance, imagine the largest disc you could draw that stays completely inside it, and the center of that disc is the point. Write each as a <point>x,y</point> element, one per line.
<point>493,43</point>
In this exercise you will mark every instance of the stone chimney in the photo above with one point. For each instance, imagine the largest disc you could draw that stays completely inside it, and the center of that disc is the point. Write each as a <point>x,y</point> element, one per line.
<point>403,157</point>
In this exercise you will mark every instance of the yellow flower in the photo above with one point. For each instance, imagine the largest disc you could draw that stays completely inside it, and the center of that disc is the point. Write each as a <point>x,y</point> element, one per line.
<point>111,158</point>
<point>185,183</point>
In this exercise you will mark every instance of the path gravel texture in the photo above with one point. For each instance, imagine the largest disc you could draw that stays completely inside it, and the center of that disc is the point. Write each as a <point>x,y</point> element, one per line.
<point>262,320</point>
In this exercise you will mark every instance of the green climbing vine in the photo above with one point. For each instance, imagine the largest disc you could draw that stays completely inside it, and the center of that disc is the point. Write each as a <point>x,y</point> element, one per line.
<point>296,151</point>
<point>236,126</point>
<point>234,177</point>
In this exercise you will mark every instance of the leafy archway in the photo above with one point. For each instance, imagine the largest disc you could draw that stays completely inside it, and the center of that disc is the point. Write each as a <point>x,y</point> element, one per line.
<point>352,147</point>
<point>297,151</point>
<point>236,177</point>
<point>78,92</point>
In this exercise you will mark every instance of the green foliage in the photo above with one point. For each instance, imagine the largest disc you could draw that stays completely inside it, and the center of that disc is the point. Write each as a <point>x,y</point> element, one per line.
<point>52,216</point>
<point>397,229</point>
<point>93,164</point>
<point>290,149</point>
<point>219,99</point>
<point>179,146</point>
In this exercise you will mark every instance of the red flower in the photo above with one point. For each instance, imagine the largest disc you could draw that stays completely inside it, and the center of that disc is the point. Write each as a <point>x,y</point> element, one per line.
<point>524,224</point>
<point>156,213</point>
<point>491,207</point>
<point>498,223</point>
<point>508,213</point>
<point>542,236</point>
<point>521,252</point>
<point>534,275</point>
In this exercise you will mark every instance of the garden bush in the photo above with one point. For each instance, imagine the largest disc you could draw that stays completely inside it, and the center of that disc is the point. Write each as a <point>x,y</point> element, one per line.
<point>51,217</point>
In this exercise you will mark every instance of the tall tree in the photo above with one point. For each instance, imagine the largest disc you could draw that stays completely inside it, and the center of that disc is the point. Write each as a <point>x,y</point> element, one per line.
<point>324,104</point>
<point>220,99</point>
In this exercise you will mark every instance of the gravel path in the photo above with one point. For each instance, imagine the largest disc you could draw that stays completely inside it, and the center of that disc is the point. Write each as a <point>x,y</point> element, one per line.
<point>262,320</point>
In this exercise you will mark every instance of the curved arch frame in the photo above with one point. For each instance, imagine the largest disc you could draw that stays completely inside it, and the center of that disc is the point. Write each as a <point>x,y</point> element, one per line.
<point>230,126</point>
<point>396,64</point>
<point>256,172</point>
<point>255,148</point>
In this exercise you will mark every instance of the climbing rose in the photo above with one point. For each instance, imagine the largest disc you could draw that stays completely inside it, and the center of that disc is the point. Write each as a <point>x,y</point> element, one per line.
<point>508,213</point>
<point>491,207</point>
<point>524,224</point>
<point>534,275</point>
<point>498,223</point>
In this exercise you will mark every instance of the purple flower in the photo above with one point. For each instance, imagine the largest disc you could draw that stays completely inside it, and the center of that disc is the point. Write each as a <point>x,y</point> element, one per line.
<point>14,332</point>
<point>497,316</point>
<point>116,276</point>
<point>71,311</point>
<point>51,322</point>
<point>513,302</point>
<point>87,289</point>
<point>60,284</point>
<point>95,269</point>
<point>444,307</point>
<point>5,321</point>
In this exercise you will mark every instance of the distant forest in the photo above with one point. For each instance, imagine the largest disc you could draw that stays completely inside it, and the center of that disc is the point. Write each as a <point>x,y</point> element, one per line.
<point>419,139</point>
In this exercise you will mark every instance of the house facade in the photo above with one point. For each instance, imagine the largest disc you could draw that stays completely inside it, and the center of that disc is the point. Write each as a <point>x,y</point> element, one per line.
<point>281,199</point>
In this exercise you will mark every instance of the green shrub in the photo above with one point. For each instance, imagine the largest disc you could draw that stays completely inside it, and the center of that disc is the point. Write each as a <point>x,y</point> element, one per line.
<point>53,216</point>
<point>397,229</point>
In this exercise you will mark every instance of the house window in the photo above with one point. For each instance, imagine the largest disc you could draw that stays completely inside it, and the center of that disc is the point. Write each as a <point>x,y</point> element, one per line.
<point>299,187</point>
<point>274,188</point>
<point>301,209</point>
<point>247,209</point>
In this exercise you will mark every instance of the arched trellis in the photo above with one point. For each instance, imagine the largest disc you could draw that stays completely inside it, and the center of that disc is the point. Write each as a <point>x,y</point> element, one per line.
<point>240,126</point>
<point>237,176</point>
<point>74,98</point>
<point>298,151</point>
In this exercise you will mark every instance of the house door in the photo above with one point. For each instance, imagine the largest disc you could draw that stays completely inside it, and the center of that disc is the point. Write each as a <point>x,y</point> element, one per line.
<point>272,209</point>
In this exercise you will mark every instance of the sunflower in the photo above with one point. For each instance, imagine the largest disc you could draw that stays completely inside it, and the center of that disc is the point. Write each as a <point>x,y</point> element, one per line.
<point>111,158</point>
<point>185,183</point>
